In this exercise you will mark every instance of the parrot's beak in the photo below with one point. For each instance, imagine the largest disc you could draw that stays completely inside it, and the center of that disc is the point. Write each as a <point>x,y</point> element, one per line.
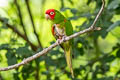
<point>47,16</point>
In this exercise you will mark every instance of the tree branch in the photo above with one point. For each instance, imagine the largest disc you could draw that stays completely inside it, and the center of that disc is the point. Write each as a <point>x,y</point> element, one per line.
<point>102,8</point>
<point>33,25</point>
<point>34,47</point>
<point>44,51</point>
<point>20,17</point>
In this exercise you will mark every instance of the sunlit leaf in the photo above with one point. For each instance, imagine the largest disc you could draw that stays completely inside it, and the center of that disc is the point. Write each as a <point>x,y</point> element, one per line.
<point>114,4</point>
<point>113,26</point>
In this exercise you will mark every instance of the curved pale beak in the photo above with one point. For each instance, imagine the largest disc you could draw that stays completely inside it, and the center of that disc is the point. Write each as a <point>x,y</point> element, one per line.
<point>47,16</point>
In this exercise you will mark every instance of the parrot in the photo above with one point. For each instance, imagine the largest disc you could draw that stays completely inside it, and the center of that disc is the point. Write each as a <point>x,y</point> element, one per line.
<point>61,28</point>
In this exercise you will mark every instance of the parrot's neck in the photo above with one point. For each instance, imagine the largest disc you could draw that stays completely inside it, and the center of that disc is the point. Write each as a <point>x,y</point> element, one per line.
<point>59,24</point>
<point>58,21</point>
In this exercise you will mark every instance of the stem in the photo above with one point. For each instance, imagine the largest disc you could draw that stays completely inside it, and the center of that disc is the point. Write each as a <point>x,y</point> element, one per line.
<point>33,25</point>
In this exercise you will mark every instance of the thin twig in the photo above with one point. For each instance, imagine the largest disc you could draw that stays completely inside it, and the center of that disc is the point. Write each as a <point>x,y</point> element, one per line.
<point>33,25</point>
<point>20,17</point>
<point>100,11</point>
<point>44,51</point>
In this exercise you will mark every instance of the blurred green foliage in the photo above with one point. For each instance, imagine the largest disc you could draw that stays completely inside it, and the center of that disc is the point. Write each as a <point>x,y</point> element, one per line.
<point>96,54</point>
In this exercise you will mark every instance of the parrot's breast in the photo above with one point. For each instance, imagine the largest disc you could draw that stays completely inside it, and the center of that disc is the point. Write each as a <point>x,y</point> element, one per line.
<point>60,31</point>
<point>57,31</point>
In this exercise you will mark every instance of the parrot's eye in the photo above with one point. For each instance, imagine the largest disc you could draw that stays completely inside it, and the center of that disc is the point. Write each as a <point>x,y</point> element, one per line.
<point>51,13</point>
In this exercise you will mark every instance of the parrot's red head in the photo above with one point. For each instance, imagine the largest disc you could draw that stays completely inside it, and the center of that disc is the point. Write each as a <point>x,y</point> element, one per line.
<point>50,14</point>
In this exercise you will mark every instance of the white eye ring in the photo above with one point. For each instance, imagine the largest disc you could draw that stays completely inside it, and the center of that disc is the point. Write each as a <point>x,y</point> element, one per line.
<point>51,13</point>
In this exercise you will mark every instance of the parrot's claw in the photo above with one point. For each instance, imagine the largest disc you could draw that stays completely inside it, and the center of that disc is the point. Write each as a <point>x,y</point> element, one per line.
<point>63,38</point>
<point>58,41</point>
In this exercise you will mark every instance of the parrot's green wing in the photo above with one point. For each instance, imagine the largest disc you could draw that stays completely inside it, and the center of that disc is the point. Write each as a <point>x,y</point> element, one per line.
<point>69,29</point>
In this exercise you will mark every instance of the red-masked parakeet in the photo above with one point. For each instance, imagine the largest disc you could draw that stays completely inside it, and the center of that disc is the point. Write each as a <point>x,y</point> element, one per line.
<point>62,27</point>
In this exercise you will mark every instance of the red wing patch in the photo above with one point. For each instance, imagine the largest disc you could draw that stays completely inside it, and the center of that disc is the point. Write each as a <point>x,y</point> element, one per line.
<point>53,30</point>
<point>65,20</point>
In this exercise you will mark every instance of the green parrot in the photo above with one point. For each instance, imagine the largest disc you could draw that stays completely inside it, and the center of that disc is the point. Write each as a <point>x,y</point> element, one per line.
<point>61,27</point>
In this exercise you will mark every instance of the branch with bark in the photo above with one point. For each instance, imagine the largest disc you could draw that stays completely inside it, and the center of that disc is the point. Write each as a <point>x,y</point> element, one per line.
<point>46,50</point>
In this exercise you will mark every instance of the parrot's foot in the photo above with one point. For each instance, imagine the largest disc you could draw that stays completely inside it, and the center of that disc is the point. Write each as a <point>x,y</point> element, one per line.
<point>63,38</point>
<point>58,41</point>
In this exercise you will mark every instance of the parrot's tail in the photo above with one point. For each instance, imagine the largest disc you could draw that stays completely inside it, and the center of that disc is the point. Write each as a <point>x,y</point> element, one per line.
<point>69,60</point>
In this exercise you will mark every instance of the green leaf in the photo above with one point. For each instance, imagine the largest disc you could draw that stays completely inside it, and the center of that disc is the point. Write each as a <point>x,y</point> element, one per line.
<point>4,46</point>
<point>0,58</point>
<point>24,51</point>
<point>114,4</point>
<point>64,9</point>
<point>118,53</point>
<point>5,20</point>
<point>74,11</point>
<point>118,72</point>
<point>109,58</point>
<point>117,11</point>
<point>70,1</point>
<point>16,76</point>
<point>113,26</point>
<point>11,58</point>
<point>4,26</point>
<point>105,78</point>
<point>103,33</point>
